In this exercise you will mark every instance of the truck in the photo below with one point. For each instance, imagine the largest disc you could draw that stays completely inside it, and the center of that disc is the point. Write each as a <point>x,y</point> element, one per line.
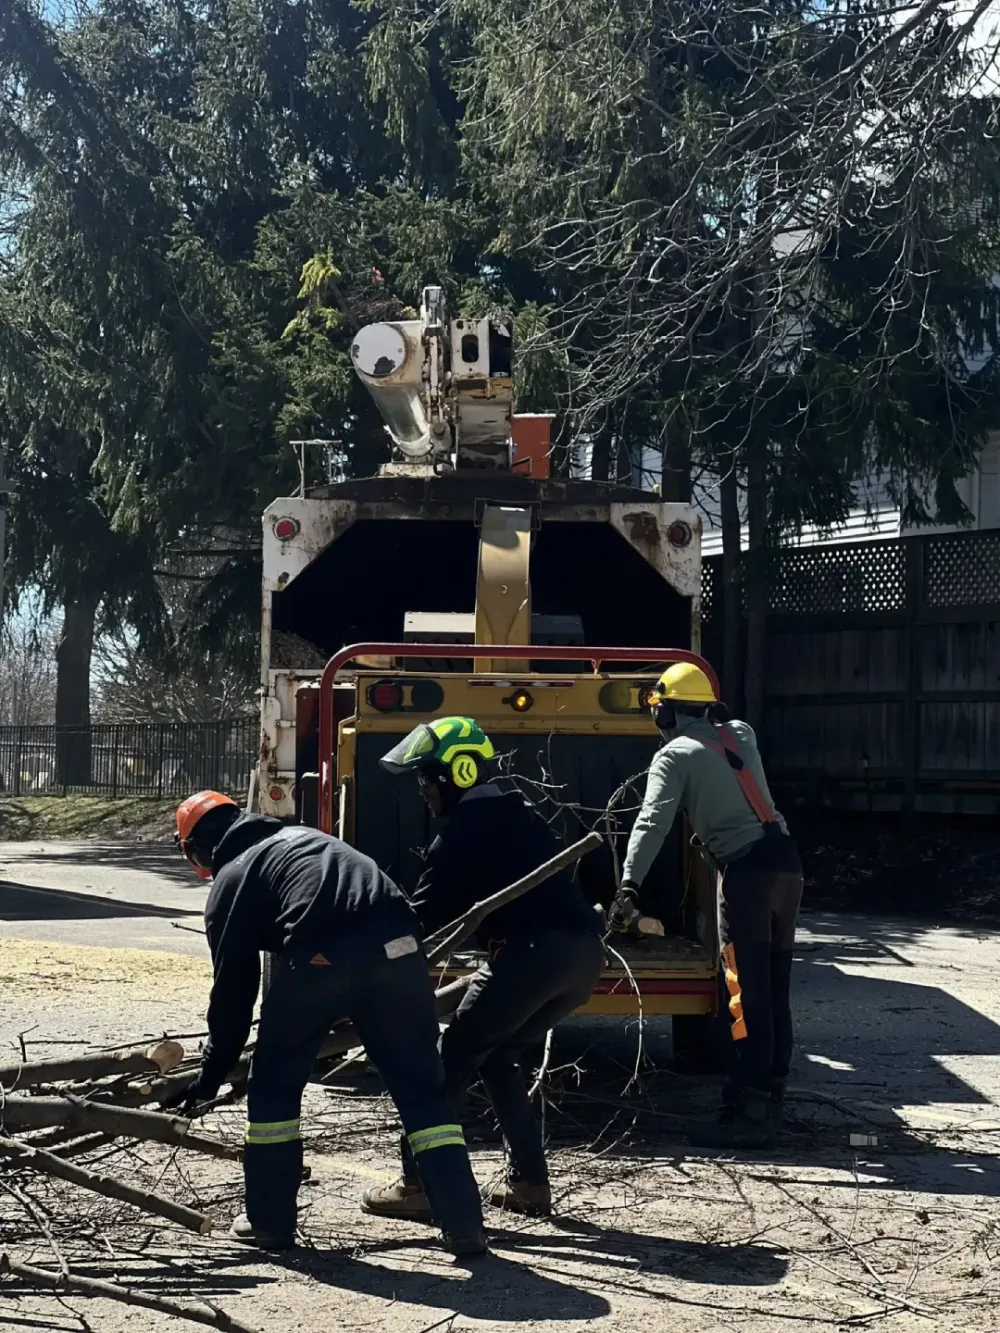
<point>465,579</point>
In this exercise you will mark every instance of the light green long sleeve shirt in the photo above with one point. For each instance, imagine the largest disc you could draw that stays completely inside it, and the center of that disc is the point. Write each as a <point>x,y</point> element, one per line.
<point>687,774</point>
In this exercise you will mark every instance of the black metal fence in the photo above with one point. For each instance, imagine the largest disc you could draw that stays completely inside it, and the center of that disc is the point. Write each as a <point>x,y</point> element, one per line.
<point>156,759</point>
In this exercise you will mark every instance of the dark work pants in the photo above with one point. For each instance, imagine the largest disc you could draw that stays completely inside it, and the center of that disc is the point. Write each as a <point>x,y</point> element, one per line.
<point>759,908</point>
<point>510,1004</point>
<point>389,1001</point>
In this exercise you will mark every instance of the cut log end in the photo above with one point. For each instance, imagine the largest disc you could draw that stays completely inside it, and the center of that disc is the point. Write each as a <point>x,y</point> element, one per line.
<point>165,1055</point>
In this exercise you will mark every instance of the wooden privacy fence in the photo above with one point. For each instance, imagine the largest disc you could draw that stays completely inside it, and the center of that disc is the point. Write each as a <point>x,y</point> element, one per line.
<point>883,672</point>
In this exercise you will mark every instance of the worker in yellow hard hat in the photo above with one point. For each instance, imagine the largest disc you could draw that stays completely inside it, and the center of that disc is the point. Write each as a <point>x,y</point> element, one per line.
<point>712,769</point>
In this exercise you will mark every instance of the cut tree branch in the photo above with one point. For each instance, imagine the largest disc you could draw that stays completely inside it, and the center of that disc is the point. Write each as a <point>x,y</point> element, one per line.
<point>441,944</point>
<point>37,1112</point>
<point>160,1058</point>
<point>36,1159</point>
<point>72,1283</point>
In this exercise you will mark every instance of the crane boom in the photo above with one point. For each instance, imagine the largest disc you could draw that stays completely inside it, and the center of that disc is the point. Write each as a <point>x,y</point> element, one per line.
<point>443,387</point>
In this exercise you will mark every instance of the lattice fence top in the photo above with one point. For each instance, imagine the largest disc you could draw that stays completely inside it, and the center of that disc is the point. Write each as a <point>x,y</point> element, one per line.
<point>963,570</point>
<point>825,580</point>
<point>711,574</point>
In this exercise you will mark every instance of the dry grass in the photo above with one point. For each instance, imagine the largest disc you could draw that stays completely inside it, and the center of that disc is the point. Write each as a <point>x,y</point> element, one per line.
<point>26,818</point>
<point>30,965</point>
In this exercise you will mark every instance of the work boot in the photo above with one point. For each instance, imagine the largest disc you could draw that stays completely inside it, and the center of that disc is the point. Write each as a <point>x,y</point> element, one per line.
<point>466,1246</point>
<point>404,1199</point>
<point>244,1231</point>
<point>745,1123</point>
<point>520,1196</point>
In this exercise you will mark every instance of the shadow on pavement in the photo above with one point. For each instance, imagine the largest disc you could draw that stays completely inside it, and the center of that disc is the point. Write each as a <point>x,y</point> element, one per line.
<point>873,1046</point>
<point>491,1287</point>
<point>160,859</point>
<point>737,1265</point>
<point>28,902</point>
<point>500,1289</point>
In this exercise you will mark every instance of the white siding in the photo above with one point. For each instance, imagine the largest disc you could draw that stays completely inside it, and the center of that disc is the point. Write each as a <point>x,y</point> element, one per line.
<point>989,487</point>
<point>875,517</point>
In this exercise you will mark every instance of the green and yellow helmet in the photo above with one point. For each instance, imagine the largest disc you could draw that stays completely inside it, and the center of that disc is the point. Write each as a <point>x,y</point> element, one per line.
<point>457,744</point>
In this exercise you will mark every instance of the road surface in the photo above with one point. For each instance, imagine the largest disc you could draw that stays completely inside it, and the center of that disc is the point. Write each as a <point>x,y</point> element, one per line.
<point>898,1039</point>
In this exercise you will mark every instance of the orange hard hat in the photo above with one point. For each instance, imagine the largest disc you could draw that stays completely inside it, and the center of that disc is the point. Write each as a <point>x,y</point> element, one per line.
<point>190,811</point>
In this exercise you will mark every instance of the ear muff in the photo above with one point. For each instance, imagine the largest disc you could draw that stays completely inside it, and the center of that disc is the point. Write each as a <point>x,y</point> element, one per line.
<point>464,771</point>
<point>193,860</point>
<point>664,715</point>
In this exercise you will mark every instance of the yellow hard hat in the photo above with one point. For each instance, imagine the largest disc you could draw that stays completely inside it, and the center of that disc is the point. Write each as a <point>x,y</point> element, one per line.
<point>684,683</point>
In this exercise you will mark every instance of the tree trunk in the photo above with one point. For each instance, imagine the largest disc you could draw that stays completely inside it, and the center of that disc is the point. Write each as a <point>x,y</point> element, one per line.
<point>73,654</point>
<point>757,513</point>
<point>729,498</point>
<point>600,458</point>
<point>675,468</point>
<point>756,580</point>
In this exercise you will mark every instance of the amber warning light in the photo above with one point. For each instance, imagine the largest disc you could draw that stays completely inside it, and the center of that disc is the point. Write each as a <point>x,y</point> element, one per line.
<point>627,696</point>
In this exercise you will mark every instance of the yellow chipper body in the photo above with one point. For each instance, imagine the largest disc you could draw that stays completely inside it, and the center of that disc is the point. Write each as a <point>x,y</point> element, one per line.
<point>463,547</point>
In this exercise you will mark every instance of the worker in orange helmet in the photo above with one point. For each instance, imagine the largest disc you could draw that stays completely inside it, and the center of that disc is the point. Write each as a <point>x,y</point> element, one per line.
<point>349,947</point>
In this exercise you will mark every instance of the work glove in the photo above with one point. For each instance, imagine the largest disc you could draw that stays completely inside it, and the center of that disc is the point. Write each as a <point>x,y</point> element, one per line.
<point>625,917</point>
<point>185,1100</point>
<point>624,913</point>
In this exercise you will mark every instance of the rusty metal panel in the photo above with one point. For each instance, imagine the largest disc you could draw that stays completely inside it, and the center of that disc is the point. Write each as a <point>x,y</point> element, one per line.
<point>311,526</point>
<point>668,537</point>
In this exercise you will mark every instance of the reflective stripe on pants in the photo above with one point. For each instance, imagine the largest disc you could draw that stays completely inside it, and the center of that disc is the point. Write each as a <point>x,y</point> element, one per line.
<point>390,1002</point>
<point>275,1131</point>
<point>436,1136</point>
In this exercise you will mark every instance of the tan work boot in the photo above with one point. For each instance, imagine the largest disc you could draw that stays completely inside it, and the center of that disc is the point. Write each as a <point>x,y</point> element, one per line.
<point>519,1196</point>
<point>404,1199</point>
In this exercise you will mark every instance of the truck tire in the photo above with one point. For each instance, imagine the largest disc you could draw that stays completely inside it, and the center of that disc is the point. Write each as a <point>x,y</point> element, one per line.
<point>702,1044</point>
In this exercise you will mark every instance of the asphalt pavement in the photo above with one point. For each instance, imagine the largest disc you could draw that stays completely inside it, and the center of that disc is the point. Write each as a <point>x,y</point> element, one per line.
<point>106,894</point>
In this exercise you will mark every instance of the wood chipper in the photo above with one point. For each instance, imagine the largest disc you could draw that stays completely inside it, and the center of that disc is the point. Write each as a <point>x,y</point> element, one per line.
<point>464,579</point>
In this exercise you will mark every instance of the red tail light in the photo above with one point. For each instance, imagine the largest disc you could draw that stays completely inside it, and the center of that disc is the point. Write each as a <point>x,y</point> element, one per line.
<point>386,696</point>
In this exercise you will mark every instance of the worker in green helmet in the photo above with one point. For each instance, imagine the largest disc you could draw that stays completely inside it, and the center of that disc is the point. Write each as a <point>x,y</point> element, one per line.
<point>712,769</point>
<point>544,950</point>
